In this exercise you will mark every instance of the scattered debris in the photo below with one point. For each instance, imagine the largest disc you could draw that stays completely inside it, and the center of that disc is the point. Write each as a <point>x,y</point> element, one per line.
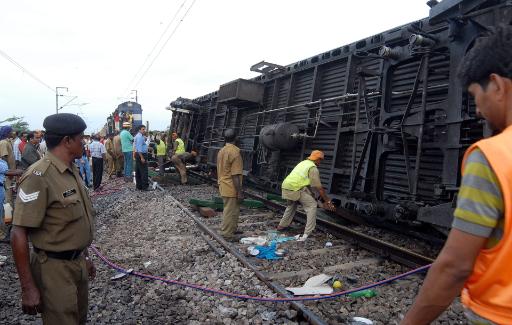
<point>360,321</point>
<point>316,285</point>
<point>2,259</point>
<point>368,293</point>
<point>121,275</point>
<point>328,244</point>
<point>267,252</point>
<point>337,284</point>
<point>253,250</point>
<point>260,241</point>
<point>146,264</point>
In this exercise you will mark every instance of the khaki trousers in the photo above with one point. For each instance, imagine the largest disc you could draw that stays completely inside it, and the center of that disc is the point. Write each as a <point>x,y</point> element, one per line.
<point>110,166</point>
<point>63,286</point>
<point>8,182</point>
<point>180,166</point>
<point>118,164</point>
<point>230,216</point>
<point>309,204</point>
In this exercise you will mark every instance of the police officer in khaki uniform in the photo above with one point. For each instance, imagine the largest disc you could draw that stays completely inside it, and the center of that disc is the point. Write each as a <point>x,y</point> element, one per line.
<point>229,178</point>
<point>54,212</point>
<point>110,156</point>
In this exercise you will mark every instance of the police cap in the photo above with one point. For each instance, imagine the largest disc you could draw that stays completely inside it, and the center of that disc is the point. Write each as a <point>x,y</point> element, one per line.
<point>64,124</point>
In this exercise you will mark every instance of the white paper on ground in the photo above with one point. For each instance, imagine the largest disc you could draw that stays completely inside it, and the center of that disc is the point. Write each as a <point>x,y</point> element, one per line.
<point>258,241</point>
<point>314,286</point>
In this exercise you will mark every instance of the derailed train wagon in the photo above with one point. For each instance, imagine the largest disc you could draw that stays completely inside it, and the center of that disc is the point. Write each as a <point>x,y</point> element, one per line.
<point>388,111</point>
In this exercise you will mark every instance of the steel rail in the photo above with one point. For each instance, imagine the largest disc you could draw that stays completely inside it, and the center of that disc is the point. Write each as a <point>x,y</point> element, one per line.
<point>307,314</point>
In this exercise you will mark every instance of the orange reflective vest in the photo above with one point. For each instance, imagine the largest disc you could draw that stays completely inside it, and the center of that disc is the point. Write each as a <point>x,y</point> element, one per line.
<point>488,291</point>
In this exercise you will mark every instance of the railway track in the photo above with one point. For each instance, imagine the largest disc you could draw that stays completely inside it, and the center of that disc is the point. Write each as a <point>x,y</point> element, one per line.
<point>388,250</point>
<point>303,260</point>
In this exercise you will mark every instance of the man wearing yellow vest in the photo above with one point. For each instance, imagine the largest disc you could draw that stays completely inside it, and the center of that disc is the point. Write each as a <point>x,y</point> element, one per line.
<point>161,153</point>
<point>297,188</point>
<point>477,256</point>
<point>178,144</point>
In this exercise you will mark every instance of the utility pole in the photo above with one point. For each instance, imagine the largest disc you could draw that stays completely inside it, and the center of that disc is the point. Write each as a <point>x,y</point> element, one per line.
<point>135,95</point>
<point>57,98</point>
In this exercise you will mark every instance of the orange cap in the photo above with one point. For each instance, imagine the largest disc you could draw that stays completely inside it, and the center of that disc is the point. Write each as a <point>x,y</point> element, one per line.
<point>316,154</point>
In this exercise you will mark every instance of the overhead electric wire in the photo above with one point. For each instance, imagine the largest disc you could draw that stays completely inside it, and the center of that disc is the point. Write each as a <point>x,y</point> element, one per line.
<point>30,74</point>
<point>163,46</point>
<point>156,45</point>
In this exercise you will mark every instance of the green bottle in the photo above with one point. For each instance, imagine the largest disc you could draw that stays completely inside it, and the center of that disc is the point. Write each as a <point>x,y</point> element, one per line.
<point>368,293</point>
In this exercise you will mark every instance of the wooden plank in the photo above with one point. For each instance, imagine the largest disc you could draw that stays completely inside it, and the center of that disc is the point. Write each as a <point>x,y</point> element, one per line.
<point>328,269</point>
<point>319,251</point>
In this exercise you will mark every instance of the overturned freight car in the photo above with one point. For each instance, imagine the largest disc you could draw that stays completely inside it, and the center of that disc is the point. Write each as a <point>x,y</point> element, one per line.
<point>387,111</point>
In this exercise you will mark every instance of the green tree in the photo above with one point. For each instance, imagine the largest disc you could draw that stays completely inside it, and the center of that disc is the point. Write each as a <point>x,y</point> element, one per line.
<point>17,123</point>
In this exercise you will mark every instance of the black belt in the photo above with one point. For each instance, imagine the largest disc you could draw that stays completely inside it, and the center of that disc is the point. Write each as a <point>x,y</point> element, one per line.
<point>65,255</point>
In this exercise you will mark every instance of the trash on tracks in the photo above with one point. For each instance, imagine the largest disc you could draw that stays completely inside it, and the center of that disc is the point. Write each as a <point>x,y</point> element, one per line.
<point>316,285</point>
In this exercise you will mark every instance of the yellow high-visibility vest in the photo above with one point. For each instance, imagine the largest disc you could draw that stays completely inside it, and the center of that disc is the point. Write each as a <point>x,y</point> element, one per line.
<point>181,146</point>
<point>299,177</point>
<point>161,148</point>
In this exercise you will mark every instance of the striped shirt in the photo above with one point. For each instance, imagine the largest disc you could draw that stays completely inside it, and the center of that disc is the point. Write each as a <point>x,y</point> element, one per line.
<point>97,149</point>
<point>480,205</point>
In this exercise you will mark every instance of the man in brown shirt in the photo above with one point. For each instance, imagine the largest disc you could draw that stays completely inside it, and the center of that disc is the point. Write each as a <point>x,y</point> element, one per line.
<point>54,212</point>
<point>118,153</point>
<point>229,178</point>
<point>180,161</point>
<point>110,156</point>
<point>7,154</point>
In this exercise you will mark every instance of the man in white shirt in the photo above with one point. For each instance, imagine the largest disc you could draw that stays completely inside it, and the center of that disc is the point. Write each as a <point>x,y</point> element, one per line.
<point>98,153</point>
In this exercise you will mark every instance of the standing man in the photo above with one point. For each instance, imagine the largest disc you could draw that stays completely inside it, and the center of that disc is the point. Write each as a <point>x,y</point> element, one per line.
<point>127,148</point>
<point>16,148</point>
<point>178,144</point>
<point>30,154</point>
<point>7,154</point>
<point>98,153</point>
<point>180,161</point>
<point>118,153</point>
<point>297,188</point>
<point>54,212</point>
<point>110,156</point>
<point>229,178</point>
<point>141,157</point>
<point>42,144</point>
<point>161,153</point>
<point>23,143</point>
<point>477,256</point>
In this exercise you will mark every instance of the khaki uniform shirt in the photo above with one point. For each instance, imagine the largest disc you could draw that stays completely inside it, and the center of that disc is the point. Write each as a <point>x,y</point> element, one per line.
<point>109,148</point>
<point>229,163</point>
<point>6,150</point>
<point>314,181</point>
<point>54,205</point>
<point>117,146</point>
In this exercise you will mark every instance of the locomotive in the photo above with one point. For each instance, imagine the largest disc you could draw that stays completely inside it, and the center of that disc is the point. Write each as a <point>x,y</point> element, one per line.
<point>387,111</point>
<point>125,112</point>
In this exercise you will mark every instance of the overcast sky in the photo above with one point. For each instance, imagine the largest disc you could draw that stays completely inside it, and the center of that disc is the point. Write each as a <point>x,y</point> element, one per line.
<point>95,48</point>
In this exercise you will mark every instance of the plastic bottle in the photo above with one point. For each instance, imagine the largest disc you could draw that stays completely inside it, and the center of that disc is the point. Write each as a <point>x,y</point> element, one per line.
<point>368,293</point>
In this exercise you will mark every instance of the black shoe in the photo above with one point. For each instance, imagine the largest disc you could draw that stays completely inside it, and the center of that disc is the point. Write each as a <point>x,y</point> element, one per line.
<point>239,232</point>
<point>232,239</point>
